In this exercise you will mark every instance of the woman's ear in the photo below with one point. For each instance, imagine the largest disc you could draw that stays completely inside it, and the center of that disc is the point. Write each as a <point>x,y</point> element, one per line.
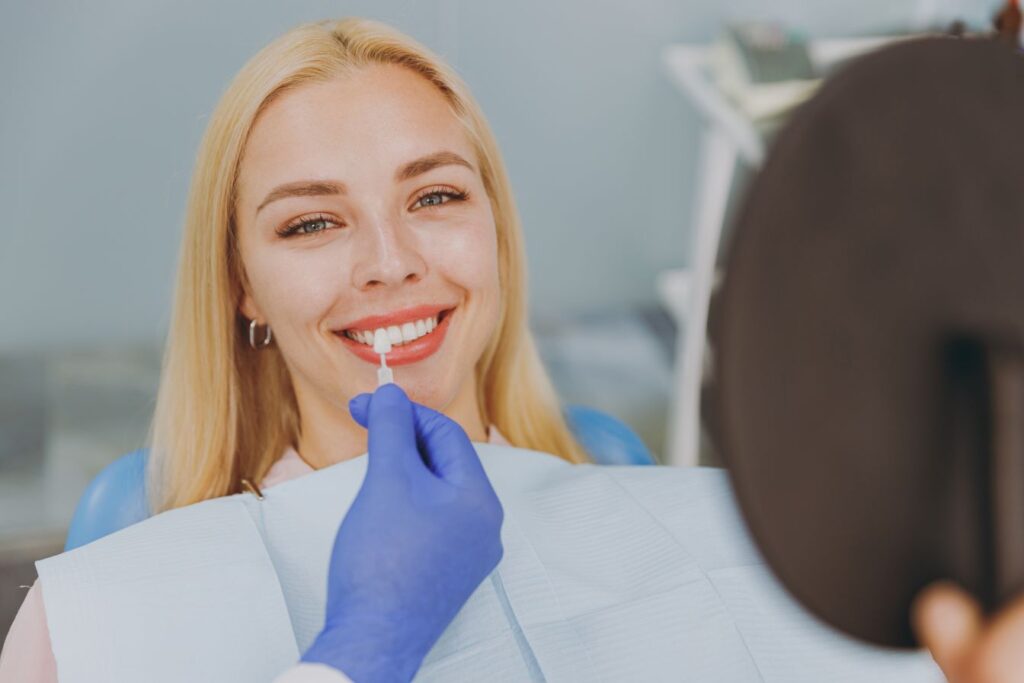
<point>250,309</point>
<point>247,305</point>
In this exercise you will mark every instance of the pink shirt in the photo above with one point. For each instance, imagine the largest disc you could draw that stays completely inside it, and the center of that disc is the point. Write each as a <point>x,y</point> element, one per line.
<point>27,656</point>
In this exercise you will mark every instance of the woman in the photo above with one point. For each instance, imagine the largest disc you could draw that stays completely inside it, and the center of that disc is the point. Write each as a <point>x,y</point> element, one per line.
<point>347,182</point>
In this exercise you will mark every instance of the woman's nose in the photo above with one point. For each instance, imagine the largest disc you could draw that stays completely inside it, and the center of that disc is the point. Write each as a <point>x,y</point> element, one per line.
<point>387,255</point>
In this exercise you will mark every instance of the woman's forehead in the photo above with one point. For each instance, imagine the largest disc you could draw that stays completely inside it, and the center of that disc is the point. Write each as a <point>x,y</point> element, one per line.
<point>363,125</point>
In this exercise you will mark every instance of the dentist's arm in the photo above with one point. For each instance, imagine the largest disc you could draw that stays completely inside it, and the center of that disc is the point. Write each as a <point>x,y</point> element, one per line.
<point>421,535</point>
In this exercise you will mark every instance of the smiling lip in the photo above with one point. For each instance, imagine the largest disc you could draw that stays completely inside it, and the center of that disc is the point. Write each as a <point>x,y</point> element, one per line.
<point>410,352</point>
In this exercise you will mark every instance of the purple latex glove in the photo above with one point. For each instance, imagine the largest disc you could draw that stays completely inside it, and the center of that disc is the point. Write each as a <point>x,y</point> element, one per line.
<point>421,535</point>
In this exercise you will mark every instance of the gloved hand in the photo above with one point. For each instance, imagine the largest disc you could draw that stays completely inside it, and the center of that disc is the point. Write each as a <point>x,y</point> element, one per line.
<point>422,533</point>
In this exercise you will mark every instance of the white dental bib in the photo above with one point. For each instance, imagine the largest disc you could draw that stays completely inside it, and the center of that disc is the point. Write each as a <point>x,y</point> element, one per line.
<point>609,574</point>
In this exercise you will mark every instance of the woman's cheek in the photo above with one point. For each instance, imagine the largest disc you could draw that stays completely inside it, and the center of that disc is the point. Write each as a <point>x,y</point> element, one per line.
<point>300,290</point>
<point>472,252</point>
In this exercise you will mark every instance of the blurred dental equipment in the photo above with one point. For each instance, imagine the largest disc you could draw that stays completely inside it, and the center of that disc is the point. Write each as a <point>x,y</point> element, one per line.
<point>382,345</point>
<point>731,141</point>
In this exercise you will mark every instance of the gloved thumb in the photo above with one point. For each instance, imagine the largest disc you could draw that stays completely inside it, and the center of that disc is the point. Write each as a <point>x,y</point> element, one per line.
<point>392,434</point>
<point>448,451</point>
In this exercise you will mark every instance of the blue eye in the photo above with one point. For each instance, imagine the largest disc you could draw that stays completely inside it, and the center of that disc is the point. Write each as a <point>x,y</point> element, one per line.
<point>309,226</point>
<point>439,196</point>
<point>433,199</point>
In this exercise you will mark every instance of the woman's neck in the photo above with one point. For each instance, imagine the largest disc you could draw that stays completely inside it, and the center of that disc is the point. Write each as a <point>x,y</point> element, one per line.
<point>330,435</point>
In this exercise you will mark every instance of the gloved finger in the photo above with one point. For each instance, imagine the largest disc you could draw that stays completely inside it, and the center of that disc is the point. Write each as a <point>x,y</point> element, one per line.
<point>359,408</point>
<point>392,434</point>
<point>449,452</point>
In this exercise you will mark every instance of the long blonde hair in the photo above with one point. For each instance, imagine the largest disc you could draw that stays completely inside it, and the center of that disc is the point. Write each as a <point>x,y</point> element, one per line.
<point>225,411</point>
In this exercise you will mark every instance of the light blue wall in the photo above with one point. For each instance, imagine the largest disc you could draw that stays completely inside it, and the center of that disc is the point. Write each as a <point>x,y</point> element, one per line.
<point>103,104</point>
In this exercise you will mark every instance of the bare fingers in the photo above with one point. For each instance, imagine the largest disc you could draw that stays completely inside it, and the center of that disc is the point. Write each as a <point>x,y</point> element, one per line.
<point>949,622</point>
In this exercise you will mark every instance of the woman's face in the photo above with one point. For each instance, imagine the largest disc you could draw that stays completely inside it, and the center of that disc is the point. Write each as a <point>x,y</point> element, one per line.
<point>361,207</point>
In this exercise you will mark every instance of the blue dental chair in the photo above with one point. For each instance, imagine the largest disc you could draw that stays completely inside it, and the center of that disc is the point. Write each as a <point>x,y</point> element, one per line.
<point>116,498</point>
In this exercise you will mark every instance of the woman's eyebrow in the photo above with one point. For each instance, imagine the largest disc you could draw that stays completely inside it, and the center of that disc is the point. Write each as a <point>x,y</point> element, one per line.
<point>430,162</point>
<point>303,188</point>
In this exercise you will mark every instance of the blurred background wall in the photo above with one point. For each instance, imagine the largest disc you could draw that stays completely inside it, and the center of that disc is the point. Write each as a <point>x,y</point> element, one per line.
<point>104,103</point>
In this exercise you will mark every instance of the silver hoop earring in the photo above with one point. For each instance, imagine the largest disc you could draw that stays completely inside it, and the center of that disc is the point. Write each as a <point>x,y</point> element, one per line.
<point>252,336</point>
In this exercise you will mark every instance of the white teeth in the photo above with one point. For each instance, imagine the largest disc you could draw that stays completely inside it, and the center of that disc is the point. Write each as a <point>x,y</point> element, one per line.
<point>395,334</point>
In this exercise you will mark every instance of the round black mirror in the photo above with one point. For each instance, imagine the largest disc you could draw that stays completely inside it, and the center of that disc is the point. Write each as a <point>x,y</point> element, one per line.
<point>868,381</point>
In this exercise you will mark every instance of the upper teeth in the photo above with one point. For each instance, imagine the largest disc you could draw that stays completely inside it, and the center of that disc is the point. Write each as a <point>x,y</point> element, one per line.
<point>398,334</point>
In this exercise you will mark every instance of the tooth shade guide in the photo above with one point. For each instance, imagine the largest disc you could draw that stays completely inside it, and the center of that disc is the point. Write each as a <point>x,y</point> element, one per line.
<point>381,342</point>
<point>382,345</point>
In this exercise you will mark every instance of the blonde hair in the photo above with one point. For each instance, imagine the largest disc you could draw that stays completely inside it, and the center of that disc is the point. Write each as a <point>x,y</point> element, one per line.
<point>226,412</point>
